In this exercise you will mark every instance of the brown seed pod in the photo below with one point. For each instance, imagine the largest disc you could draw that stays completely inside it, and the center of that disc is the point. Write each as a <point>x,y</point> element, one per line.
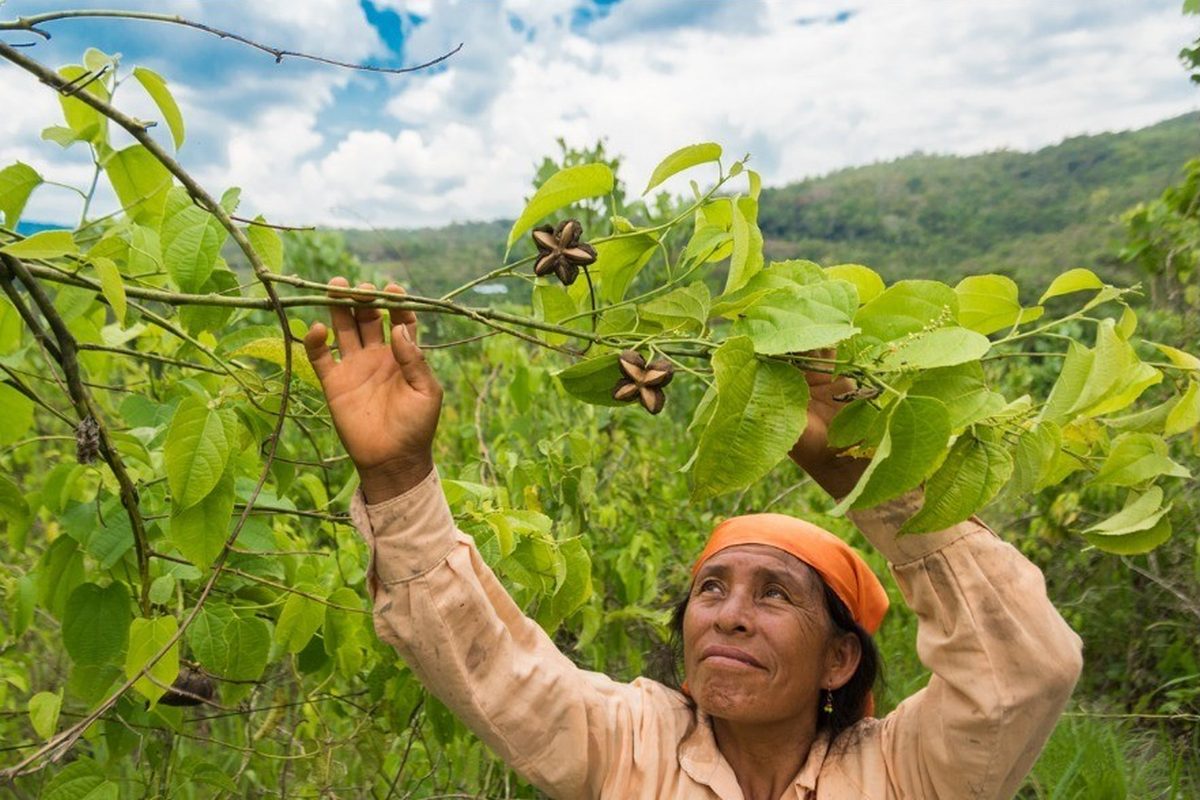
<point>87,441</point>
<point>560,252</point>
<point>191,688</point>
<point>643,382</point>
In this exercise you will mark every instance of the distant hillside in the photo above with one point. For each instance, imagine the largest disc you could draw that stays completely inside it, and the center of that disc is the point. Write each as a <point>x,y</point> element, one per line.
<point>1023,214</point>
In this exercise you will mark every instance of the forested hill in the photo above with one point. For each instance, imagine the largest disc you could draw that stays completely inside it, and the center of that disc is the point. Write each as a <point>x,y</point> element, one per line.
<point>1024,214</point>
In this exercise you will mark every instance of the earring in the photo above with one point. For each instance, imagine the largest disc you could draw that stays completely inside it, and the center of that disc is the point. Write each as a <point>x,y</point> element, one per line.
<point>828,707</point>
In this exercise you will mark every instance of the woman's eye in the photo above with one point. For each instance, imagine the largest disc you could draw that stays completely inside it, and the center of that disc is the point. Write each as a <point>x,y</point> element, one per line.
<point>775,591</point>
<point>709,586</point>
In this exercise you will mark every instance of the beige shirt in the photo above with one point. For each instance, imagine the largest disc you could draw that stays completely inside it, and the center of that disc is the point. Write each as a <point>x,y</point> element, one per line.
<point>1003,662</point>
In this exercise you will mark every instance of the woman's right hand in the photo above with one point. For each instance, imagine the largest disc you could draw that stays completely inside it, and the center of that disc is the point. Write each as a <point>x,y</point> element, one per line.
<point>384,399</point>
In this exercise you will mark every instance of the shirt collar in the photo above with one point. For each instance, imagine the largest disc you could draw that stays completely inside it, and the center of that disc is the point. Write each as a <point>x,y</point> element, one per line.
<point>701,759</point>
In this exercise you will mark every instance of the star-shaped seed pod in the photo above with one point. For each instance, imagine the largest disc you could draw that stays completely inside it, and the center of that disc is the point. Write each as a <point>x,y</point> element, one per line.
<point>643,382</point>
<point>560,251</point>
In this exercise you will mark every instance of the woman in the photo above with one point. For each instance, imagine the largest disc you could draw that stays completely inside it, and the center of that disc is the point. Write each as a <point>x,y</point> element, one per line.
<point>766,656</point>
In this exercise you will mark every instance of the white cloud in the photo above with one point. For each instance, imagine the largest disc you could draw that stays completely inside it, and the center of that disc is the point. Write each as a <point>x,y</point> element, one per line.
<point>804,99</point>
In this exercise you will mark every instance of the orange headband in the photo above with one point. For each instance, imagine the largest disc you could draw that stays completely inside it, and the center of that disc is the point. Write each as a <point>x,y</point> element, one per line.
<point>834,560</point>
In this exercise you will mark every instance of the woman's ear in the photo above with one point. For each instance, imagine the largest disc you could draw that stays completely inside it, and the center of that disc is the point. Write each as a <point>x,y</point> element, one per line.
<point>845,651</point>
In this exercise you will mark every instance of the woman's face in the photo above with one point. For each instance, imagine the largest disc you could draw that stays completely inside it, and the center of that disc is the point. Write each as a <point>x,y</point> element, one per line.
<point>758,643</point>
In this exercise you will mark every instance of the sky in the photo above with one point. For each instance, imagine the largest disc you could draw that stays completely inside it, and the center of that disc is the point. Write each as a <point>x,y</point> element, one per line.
<point>804,86</point>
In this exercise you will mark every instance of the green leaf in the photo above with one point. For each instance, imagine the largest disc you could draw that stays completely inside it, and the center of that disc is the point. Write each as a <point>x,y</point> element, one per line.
<point>592,380</point>
<point>197,449</point>
<point>43,712</point>
<point>907,307</point>
<point>1132,544</point>
<point>708,243</point>
<point>82,779</point>
<point>200,529</point>
<point>299,620</point>
<point>141,183</point>
<point>87,122</point>
<point>60,570</point>
<point>1185,415</point>
<point>106,534</point>
<point>683,311</point>
<point>940,347</point>
<point>618,261</point>
<point>63,137</point>
<point>681,159</point>
<point>1073,280</point>
<point>228,645</point>
<point>146,638</point>
<point>1127,325</point>
<point>267,244</point>
<point>1178,357</point>
<point>47,244</point>
<point>14,509</point>
<point>112,286</point>
<point>988,303</point>
<point>162,589</point>
<point>567,186</point>
<point>17,412</point>
<point>17,182</point>
<point>853,424</point>
<point>576,586</point>
<point>211,318</point>
<point>746,259</point>
<point>971,475</point>
<point>760,413</point>
<point>95,623</point>
<point>156,87</point>
<point>272,350</point>
<point>1136,458</point>
<point>800,318</point>
<point>918,431</point>
<point>962,389</point>
<point>191,240</point>
<point>1100,380</point>
<point>865,280</point>
<point>1034,455</point>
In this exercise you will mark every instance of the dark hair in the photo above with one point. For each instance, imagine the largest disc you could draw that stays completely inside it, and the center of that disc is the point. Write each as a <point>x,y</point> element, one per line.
<point>849,702</point>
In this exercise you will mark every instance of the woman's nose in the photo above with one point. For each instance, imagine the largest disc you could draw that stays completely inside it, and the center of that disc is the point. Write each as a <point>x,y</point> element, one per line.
<point>735,614</point>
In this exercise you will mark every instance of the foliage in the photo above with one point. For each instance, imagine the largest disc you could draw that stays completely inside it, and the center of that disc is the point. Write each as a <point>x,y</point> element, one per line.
<point>204,526</point>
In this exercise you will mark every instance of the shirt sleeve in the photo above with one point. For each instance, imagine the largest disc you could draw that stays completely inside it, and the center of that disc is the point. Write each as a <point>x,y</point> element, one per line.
<point>1004,662</point>
<point>453,623</point>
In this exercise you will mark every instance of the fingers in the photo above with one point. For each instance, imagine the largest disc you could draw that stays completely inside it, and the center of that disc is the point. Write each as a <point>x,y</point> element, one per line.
<point>412,362</point>
<point>318,351</point>
<point>345,329</point>
<point>370,332</point>
<point>399,317</point>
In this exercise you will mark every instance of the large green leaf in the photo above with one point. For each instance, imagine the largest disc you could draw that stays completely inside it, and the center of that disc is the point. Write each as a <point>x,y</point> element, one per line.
<point>972,473</point>
<point>746,259</point>
<point>14,510</point>
<point>865,280</point>
<point>141,183</point>
<point>299,620</point>
<point>567,186</point>
<point>17,182</point>
<point>191,240</point>
<point>592,380</point>
<point>618,261</point>
<point>200,530</point>
<point>918,432</point>
<point>940,347</point>
<point>82,779</point>
<point>575,589</point>
<point>17,412</point>
<point>266,244</point>
<point>272,349</point>
<point>59,572</point>
<point>1033,457</point>
<point>907,307</point>
<point>46,244</point>
<point>988,303</point>
<point>681,159</point>
<point>962,389</point>
<point>156,87</point>
<point>223,281</point>
<point>760,413</point>
<point>1139,527</point>
<point>683,311</point>
<point>800,318</point>
<point>1100,380</point>
<point>229,645</point>
<point>1136,458</point>
<point>146,638</point>
<point>43,712</point>
<point>88,123</point>
<point>112,286</point>
<point>1185,414</point>
<point>95,624</point>
<point>1073,280</point>
<point>197,449</point>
